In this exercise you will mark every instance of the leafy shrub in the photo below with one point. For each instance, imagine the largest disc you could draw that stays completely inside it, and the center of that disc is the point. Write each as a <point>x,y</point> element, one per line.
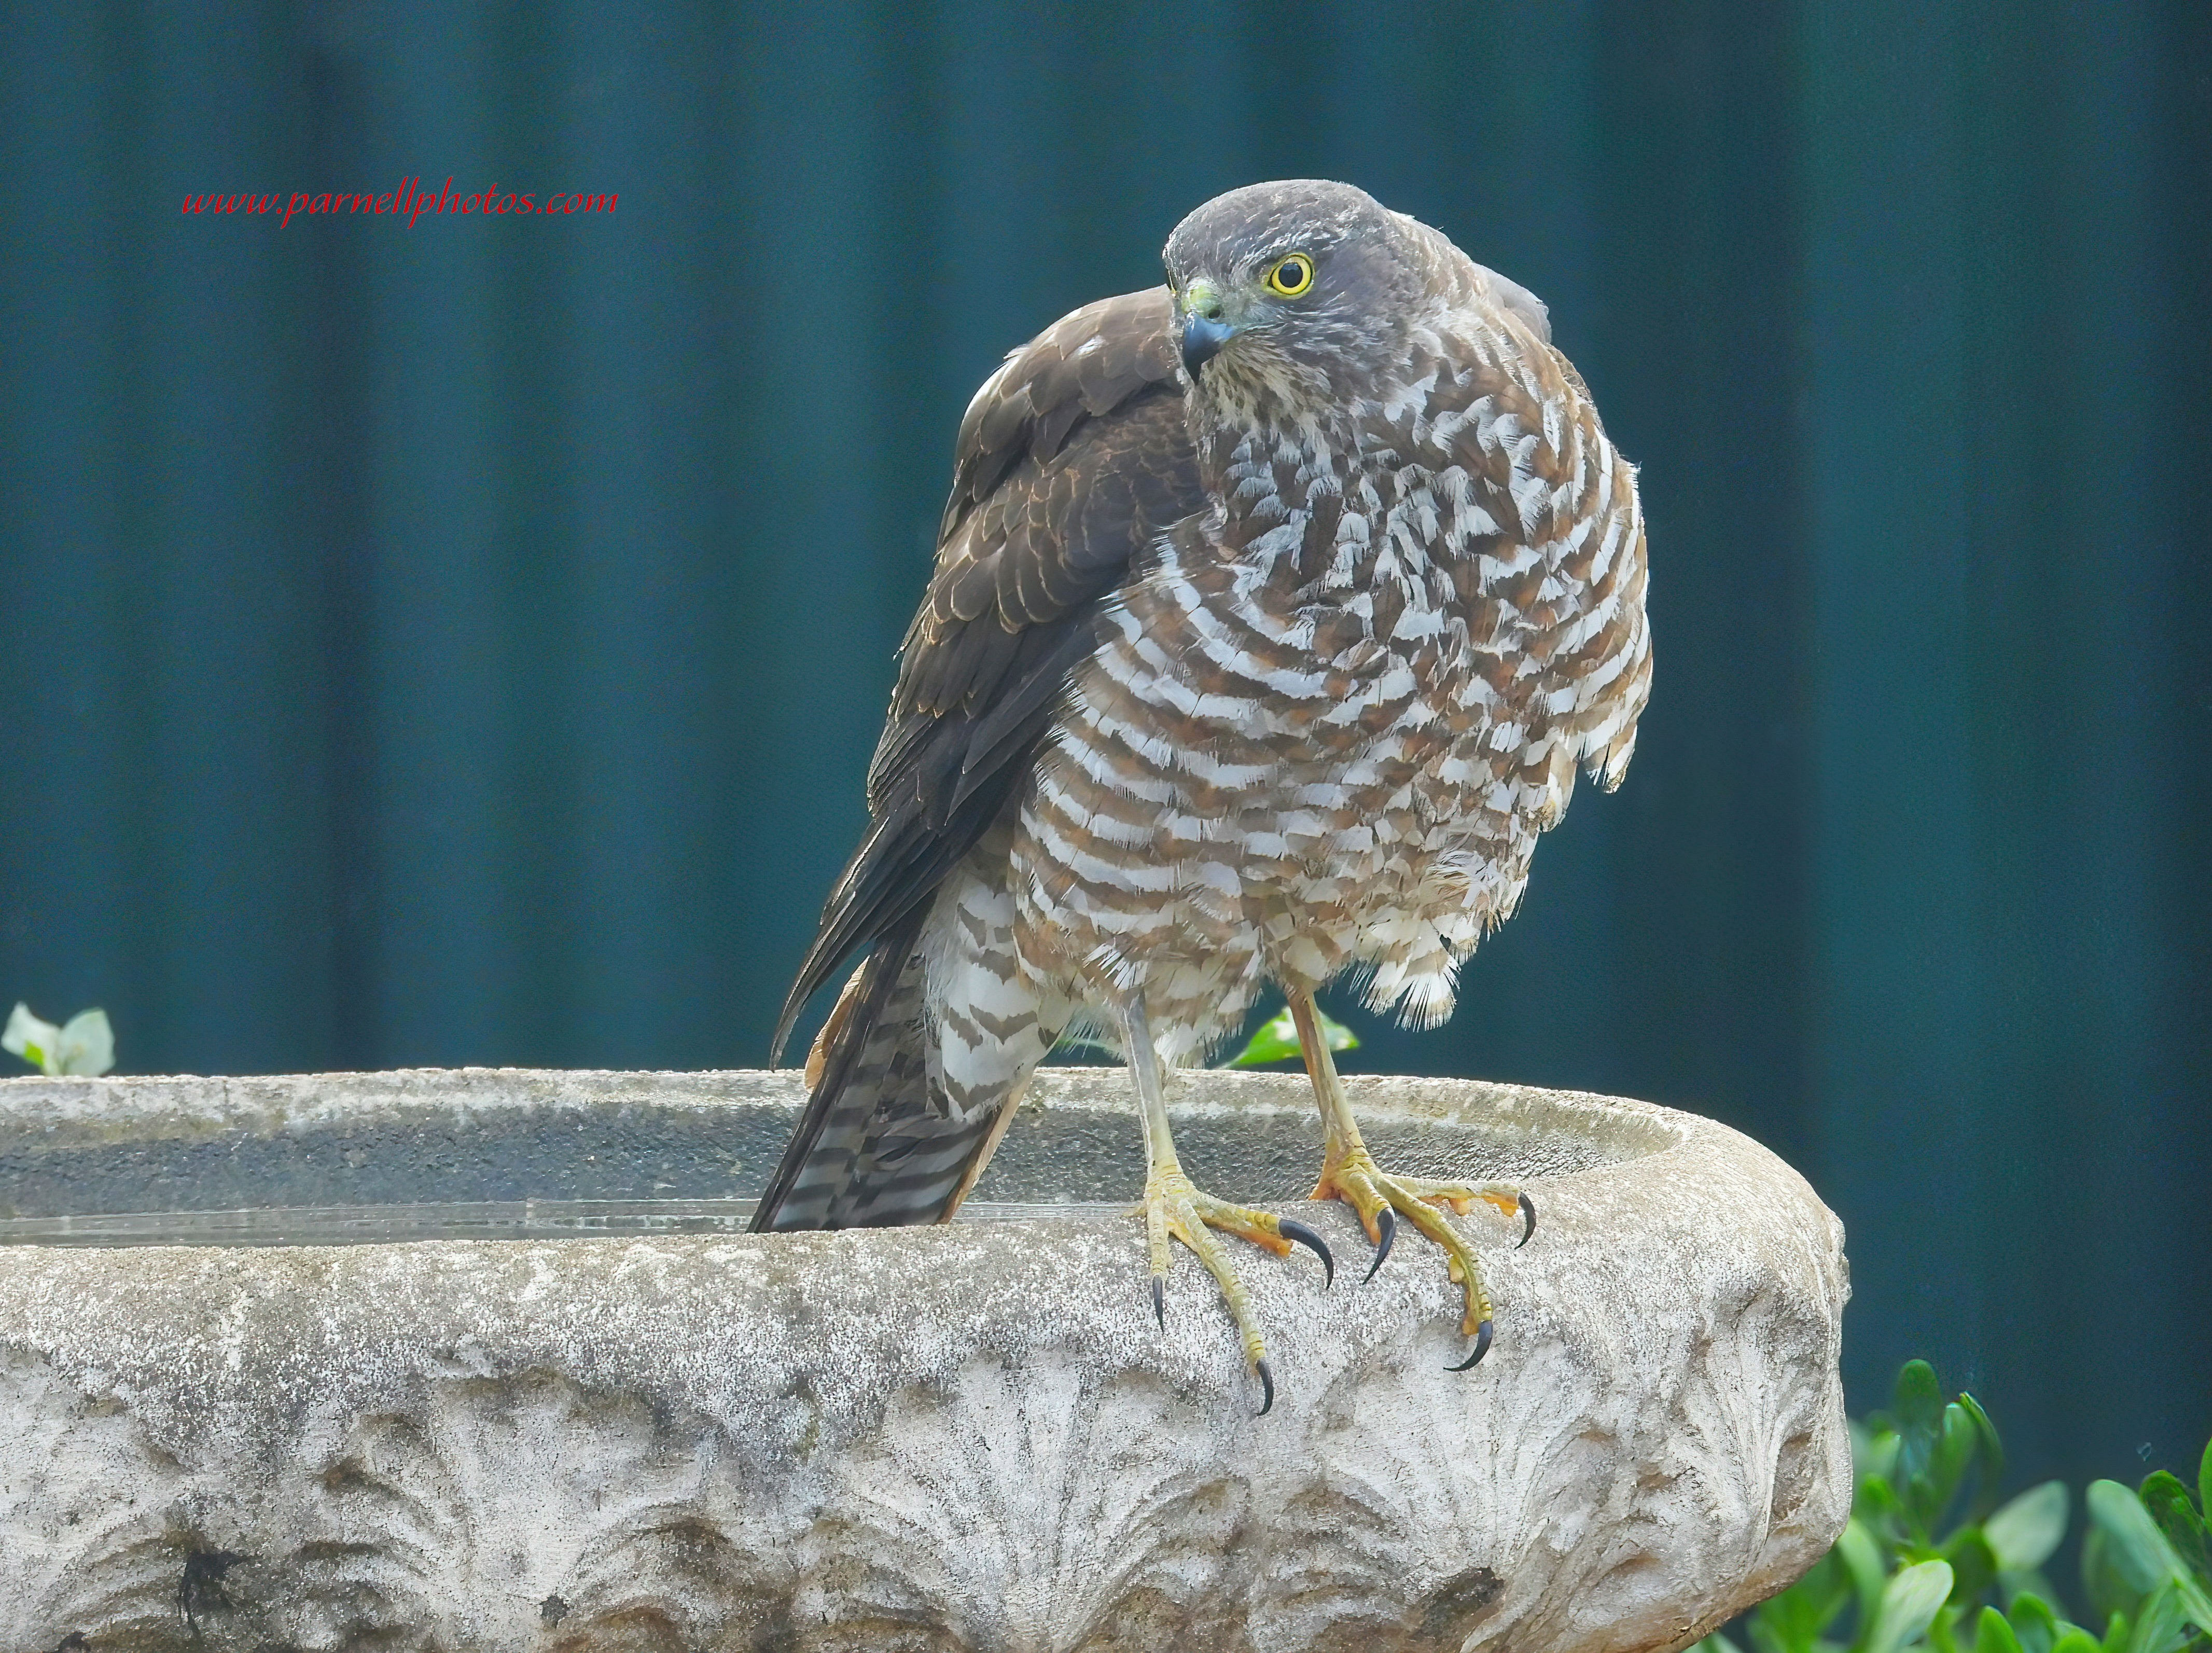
<point>1930,1559</point>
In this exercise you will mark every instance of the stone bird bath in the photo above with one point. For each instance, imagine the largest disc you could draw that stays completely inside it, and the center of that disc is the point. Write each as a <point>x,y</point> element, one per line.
<point>484,1359</point>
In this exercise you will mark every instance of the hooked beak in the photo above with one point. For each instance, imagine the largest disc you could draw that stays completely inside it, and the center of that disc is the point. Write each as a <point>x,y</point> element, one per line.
<point>1204,331</point>
<point>1202,336</point>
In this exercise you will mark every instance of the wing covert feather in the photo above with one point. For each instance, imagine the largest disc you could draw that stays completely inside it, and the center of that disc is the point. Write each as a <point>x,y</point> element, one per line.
<point>1071,460</point>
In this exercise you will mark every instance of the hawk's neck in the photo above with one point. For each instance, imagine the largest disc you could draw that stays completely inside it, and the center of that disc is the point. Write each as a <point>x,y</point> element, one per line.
<point>1286,483</point>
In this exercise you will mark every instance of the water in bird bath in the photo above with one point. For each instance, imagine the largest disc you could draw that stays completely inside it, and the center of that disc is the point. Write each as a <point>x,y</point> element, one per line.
<point>358,1158</point>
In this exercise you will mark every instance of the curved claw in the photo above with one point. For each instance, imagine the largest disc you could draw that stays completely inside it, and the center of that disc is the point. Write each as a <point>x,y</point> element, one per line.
<point>1528,1221</point>
<point>1267,1389</point>
<point>1160,1301</point>
<point>1313,1242</point>
<point>1387,1220</point>
<point>1481,1348</point>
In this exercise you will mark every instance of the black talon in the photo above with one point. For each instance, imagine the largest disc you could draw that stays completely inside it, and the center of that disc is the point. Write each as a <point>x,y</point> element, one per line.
<point>1387,1220</point>
<point>1312,1242</point>
<point>1528,1220</point>
<point>1267,1386</point>
<point>1160,1301</point>
<point>1481,1348</point>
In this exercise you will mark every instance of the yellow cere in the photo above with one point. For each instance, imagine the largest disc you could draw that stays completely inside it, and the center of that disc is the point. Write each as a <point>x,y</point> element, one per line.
<point>1289,276</point>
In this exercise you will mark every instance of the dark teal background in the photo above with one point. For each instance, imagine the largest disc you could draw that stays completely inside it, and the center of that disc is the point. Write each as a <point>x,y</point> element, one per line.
<point>461,643</point>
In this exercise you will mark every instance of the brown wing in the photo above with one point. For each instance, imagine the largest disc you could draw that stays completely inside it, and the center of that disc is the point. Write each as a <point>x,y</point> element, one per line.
<point>1071,459</point>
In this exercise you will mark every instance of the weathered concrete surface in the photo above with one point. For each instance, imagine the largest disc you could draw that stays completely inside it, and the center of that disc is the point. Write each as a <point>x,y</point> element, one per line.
<point>969,1436</point>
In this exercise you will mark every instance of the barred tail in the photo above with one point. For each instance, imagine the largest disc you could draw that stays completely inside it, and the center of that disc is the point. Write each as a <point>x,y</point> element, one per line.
<point>916,1072</point>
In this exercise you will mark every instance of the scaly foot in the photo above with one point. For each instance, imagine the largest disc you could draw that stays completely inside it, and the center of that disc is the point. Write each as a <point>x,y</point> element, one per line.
<point>1378,1199</point>
<point>1176,1209</point>
<point>1349,1173</point>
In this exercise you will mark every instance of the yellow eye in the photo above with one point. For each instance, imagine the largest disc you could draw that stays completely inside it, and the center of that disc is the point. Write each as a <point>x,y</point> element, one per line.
<point>1288,277</point>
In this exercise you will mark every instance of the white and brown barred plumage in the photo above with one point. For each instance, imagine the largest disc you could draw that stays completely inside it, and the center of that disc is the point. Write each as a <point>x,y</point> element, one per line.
<point>1273,670</point>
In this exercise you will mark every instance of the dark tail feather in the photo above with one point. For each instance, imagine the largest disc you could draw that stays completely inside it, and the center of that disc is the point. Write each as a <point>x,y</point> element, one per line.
<point>870,1151</point>
<point>890,967</point>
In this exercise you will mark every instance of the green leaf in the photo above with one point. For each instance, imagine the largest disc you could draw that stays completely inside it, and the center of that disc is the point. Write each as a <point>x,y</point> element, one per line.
<point>1277,1040</point>
<point>2011,1586</point>
<point>26,1036</point>
<point>2158,1628</point>
<point>2204,1483</point>
<point>1991,1443</point>
<point>2197,1602</point>
<point>2034,1623</point>
<point>1973,1564</point>
<point>2140,1550</point>
<point>1993,1457</point>
<point>1992,1634</point>
<point>86,1045</point>
<point>1877,1502</point>
<point>2075,1639</point>
<point>1943,1453</point>
<point>1873,1455</point>
<point>1715,1643</point>
<point>1862,1558</point>
<point>2167,1500</point>
<point>2024,1533</point>
<point>1768,1633</point>
<point>2108,1588</point>
<point>1918,1399</point>
<point>1955,1450</point>
<point>1792,1621</point>
<point>1908,1605</point>
<point>1918,1408</point>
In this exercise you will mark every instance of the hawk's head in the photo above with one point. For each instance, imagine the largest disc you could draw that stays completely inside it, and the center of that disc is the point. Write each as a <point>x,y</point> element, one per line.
<point>1302,292</point>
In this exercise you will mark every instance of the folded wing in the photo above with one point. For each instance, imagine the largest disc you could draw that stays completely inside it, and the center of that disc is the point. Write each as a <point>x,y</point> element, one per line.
<point>1072,458</point>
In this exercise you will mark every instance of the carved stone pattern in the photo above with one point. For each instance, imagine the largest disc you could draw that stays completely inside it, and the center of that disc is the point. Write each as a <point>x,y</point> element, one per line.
<point>967,1437</point>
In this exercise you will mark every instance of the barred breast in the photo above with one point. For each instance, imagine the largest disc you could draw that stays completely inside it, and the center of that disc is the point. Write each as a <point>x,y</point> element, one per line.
<point>1324,727</point>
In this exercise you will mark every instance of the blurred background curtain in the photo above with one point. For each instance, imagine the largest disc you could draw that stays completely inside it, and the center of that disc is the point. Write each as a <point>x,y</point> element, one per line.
<point>460,642</point>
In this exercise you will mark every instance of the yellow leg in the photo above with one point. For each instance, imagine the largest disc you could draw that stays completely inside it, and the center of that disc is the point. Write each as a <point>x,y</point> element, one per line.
<point>1349,1173</point>
<point>1176,1209</point>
